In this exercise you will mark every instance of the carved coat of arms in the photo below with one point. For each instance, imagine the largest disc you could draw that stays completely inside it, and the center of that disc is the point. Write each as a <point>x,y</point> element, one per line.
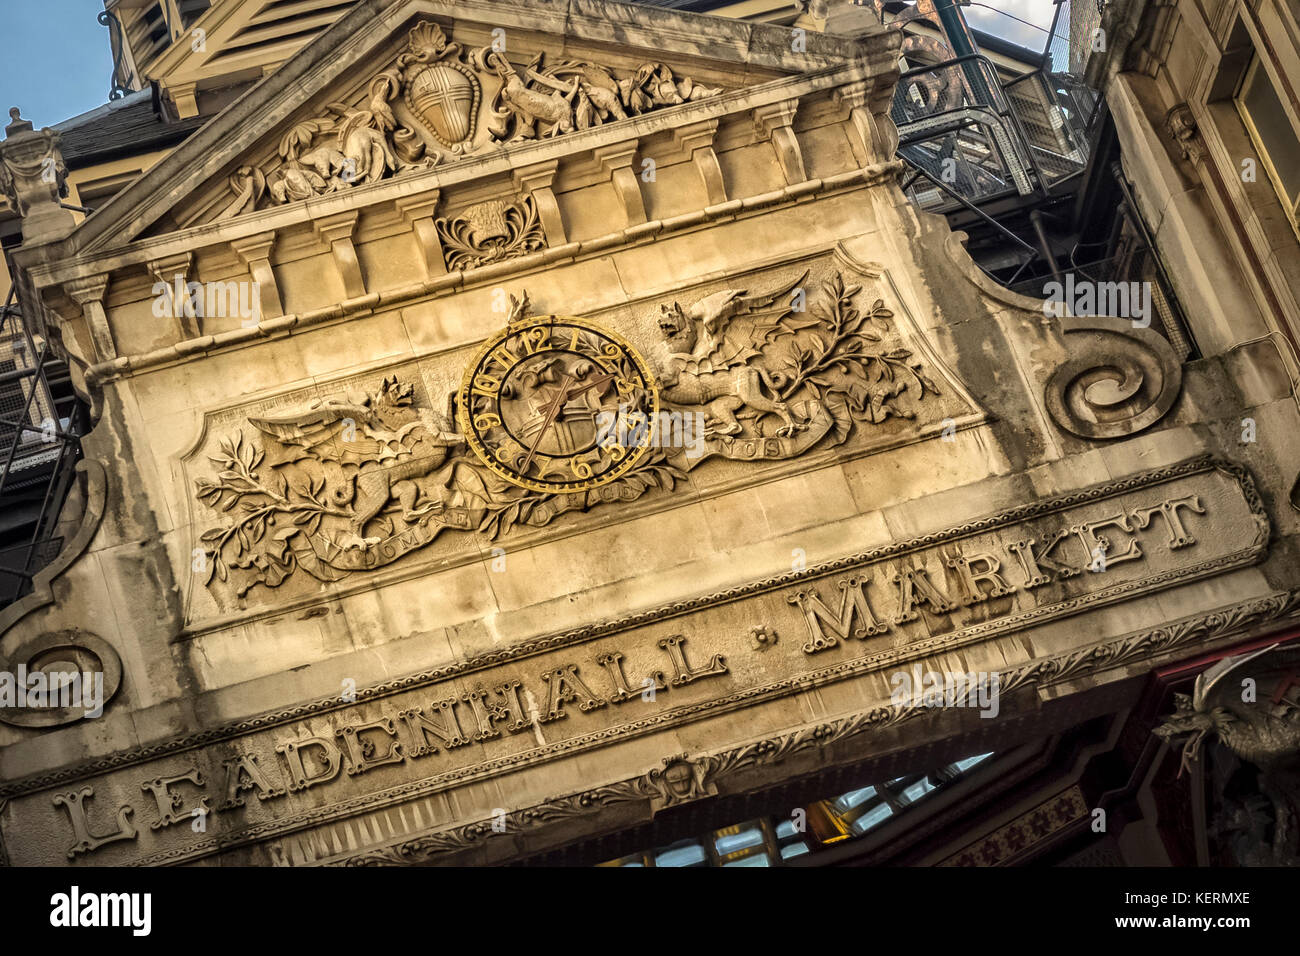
<point>437,102</point>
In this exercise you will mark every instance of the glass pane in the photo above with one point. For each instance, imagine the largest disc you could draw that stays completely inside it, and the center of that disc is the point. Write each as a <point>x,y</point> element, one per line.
<point>871,819</point>
<point>964,765</point>
<point>681,856</point>
<point>738,841</point>
<point>917,790</point>
<point>855,797</point>
<point>1276,135</point>
<point>757,859</point>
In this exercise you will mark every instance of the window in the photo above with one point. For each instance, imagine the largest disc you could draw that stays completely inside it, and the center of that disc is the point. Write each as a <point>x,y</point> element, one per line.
<point>769,841</point>
<point>1274,134</point>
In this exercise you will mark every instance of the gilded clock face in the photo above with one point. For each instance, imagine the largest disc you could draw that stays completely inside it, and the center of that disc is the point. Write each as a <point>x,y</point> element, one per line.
<point>557,404</point>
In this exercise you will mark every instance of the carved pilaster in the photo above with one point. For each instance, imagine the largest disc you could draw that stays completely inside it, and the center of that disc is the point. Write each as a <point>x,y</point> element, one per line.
<point>174,273</point>
<point>418,211</point>
<point>88,293</point>
<point>616,161</point>
<point>536,181</point>
<point>337,231</point>
<point>774,123</point>
<point>255,251</point>
<point>696,140</point>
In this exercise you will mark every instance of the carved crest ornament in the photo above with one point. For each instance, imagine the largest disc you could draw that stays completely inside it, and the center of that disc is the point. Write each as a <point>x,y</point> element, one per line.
<point>554,414</point>
<point>438,103</point>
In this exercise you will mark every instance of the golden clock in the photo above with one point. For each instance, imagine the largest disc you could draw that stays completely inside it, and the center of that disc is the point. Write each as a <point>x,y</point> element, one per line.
<point>557,404</point>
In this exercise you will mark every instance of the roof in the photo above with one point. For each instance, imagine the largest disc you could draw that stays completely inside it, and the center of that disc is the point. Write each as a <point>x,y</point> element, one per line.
<point>124,127</point>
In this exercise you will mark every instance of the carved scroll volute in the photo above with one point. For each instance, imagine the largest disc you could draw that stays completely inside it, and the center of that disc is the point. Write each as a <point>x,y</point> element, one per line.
<point>1125,379</point>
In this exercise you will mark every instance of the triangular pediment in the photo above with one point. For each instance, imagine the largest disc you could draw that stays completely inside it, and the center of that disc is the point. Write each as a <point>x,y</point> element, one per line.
<point>400,87</point>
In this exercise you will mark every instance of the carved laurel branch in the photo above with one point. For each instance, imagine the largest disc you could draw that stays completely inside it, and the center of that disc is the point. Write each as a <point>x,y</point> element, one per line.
<point>539,508</point>
<point>1037,674</point>
<point>842,369</point>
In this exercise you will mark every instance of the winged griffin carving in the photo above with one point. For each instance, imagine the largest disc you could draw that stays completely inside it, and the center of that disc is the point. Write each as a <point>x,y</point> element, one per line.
<point>773,377</point>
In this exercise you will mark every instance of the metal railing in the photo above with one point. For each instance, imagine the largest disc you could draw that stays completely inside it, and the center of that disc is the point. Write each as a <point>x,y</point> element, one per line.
<point>958,122</point>
<point>41,422</point>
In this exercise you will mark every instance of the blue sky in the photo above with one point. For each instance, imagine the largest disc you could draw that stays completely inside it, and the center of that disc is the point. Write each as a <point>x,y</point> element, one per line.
<point>55,60</point>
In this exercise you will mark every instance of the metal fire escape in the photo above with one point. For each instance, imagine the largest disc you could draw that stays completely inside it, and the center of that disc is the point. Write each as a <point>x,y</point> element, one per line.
<point>1027,167</point>
<point>41,424</point>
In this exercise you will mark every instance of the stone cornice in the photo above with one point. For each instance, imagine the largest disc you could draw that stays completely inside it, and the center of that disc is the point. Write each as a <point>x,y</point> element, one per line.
<point>1214,628</point>
<point>58,266</point>
<point>446,284</point>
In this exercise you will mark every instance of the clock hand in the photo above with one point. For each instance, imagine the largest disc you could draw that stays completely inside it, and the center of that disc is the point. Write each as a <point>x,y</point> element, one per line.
<point>552,411</point>
<point>575,392</point>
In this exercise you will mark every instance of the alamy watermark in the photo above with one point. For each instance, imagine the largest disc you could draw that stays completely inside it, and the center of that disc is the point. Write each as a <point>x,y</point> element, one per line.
<point>83,690</point>
<point>666,429</point>
<point>920,688</point>
<point>1124,300</point>
<point>235,299</point>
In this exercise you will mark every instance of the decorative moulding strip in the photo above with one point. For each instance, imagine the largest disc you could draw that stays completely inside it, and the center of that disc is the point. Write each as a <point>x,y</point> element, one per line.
<point>735,103</point>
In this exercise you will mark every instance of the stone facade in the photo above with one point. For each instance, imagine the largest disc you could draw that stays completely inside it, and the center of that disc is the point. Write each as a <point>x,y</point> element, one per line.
<point>328,618</point>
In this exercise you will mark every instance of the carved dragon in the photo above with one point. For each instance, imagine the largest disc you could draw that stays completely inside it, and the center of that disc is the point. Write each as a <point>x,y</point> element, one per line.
<point>1262,729</point>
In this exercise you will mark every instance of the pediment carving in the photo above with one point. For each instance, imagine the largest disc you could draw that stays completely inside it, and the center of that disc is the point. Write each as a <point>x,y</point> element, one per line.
<point>438,101</point>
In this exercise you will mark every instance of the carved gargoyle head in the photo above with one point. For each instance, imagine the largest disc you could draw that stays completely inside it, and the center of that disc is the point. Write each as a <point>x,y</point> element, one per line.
<point>677,328</point>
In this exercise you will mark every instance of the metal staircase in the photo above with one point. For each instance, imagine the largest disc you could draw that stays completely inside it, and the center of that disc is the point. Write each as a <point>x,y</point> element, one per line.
<point>41,423</point>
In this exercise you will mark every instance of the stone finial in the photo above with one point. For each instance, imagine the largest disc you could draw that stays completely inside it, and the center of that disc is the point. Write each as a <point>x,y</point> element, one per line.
<point>34,179</point>
<point>16,123</point>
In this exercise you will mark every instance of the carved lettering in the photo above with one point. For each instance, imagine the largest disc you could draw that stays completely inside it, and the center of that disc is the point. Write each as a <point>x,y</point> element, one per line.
<point>170,804</point>
<point>613,664</point>
<point>331,759</point>
<point>75,803</point>
<point>567,687</point>
<point>853,606</point>
<point>420,728</point>
<point>969,577</point>
<point>683,672</point>
<point>1179,537</point>
<point>915,587</point>
<point>361,751</point>
<point>244,774</point>
<point>487,713</point>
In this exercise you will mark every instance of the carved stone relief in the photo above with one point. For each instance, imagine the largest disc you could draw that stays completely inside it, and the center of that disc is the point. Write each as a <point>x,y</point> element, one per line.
<point>1125,380</point>
<point>1248,703</point>
<point>439,102</point>
<point>489,232</point>
<point>355,481</point>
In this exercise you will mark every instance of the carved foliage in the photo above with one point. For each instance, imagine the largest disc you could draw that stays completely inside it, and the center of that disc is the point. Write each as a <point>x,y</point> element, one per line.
<point>490,231</point>
<point>772,376</point>
<point>355,482</point>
